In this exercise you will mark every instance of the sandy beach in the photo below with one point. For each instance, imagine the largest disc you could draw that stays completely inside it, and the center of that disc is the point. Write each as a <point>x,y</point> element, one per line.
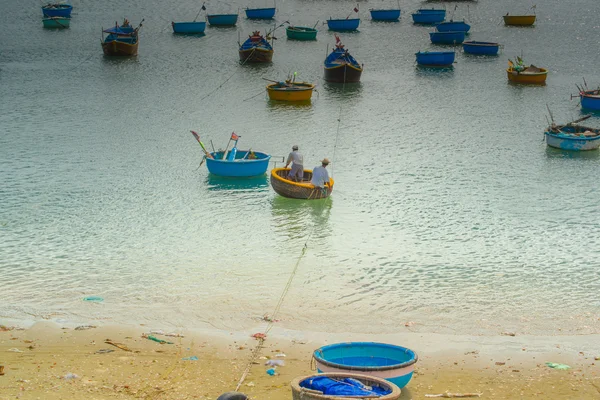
<point>47,361</point>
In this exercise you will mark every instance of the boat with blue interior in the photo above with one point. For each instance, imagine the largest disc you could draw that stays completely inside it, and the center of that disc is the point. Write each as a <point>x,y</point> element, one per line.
<point>438,59</point>
<point>256,49</point>
<point>301,32</point>
<point>481,48</point>
<point>121,40</point>
<point>426,16</point>
<point>57,10</point>
<point>56,22</point>
<point>340,66</point>
<point>572,136</point>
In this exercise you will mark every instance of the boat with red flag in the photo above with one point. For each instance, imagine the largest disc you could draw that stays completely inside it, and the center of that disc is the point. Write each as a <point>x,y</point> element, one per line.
<point>340,66</point>
<point>256,49</point>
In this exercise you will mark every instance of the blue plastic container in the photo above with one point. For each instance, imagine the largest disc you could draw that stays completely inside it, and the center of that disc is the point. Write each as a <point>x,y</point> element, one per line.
<point>453,26</point>
<point>429,17</point>
<point>237,164</point>
<point>222,19</point>
<point>260,13</point>
<point>435,58</point>
<point>385,15</point>
<point>392,363</point>
<point>343,24</point>
<point>57,10</point>
<point>481,48</point>
<point>188,27</point>
<point>447,37</point>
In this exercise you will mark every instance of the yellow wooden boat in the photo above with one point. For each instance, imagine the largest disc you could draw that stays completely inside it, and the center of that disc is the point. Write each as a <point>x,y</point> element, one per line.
<point>298,190</point>
<point>290,91</point>
<point>531,75</point>
<point>519,20</point>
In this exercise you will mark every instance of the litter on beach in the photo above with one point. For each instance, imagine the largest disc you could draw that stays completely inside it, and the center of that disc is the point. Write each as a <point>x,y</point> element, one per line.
<point>275,363</point>
<point>93,299</point>
<point>558,366</point>
<point>157,340</point>
<point>118,345</point>
<point>192,358</point>
<point>85,327</point>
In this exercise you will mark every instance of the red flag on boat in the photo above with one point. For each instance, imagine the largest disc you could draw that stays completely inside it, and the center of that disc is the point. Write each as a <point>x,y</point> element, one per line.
<point>337,39</point>
<point>196,136</point>
<point>234,136</point>
<point>356,9</point>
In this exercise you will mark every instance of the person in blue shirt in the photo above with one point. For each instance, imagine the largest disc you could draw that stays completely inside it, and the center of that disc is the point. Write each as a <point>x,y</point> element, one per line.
<point>320,176</point>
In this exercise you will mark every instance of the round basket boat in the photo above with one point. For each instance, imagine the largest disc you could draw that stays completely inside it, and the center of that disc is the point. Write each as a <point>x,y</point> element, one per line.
<point>386,361</point>
<point>298,190</point>
<point>302,393</point>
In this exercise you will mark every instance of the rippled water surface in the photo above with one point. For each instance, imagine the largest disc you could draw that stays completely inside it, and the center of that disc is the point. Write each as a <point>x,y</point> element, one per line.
<point>448,210</point>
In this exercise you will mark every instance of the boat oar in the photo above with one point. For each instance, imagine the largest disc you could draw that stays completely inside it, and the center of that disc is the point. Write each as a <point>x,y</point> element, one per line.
<point>580,119</point>
<point>314,27</point>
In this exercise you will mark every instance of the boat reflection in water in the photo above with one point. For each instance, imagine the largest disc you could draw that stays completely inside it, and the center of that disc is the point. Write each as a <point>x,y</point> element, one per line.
<point>296,218</point>
<point>249,184</point>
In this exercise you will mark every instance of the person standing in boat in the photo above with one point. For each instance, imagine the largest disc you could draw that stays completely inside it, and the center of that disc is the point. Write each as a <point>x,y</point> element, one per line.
<point>320,176</point>
<point>297,160</point>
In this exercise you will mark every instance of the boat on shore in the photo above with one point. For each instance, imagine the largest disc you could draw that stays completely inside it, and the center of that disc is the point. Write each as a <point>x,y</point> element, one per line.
<point>260,13</point>
<point>436,59</point>
<point>572,136</point>
<point>222,19</point>
<point>431,16</point>
<point>344,386</point>
<point>301,33</point>
<point>340,66</point>
<point>121,40</point>
<point>481,48</point>
<point>519,20</point>
<point>298,190</point>
<point>519,73</point>
<point>56,22</point>
<point>256,49</point>
<point>290,90</point>
<point>57,10</point>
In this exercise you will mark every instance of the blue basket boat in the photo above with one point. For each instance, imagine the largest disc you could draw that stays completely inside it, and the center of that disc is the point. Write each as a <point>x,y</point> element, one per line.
<point>447,37</point>
<point>435,58</point>
<point>237,163</point>
<point>343,24</point>
<point>572,137</point>
<point>395,364</point>
<point>260,13</point>
<point>453,26</point>
<point>429,17</point>
<point>188,27</point>
<point>385,15</point>
<point>590,99</point>
<point>57,10</point>
<point>222,19</point>
<point>481,48</point>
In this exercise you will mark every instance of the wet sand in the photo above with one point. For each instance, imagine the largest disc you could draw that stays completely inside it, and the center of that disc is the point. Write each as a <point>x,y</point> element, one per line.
<point>502,367</point>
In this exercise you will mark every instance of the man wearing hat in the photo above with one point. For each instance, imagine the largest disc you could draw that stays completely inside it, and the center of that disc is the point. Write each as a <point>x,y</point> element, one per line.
<point>320,176</point>
<point>297,160</point>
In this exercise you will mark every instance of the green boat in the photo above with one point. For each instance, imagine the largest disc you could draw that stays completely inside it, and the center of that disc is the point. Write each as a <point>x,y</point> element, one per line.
<point>56,22</point>
<point>301,33</point>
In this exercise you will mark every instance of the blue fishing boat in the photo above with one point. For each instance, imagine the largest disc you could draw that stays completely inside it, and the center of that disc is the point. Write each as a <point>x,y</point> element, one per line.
<point>57,10</point>
<point>435,58</point>
<point>260,13</point>
<point>447,37</point>
<point>590,99</point>
<point>189,27</point>
<point>385,15</point>
<point>238,163</point>
<point>395,364</point>
<point>572,137</point>
<point>56,22</point>
<point>343,24</point>
<point>481,48</point>
<point>222,19</point>
<point>428,16</point>
<point>453,26</point>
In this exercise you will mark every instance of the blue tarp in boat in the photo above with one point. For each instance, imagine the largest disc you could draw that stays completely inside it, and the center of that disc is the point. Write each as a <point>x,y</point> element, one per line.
<point>340,56</point>
<point>116,30</point>
<point>342,387</point>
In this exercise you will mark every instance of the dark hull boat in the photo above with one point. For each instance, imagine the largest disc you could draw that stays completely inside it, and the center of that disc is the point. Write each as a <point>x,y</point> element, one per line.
<point>256,49</point>
<point>341,67</point>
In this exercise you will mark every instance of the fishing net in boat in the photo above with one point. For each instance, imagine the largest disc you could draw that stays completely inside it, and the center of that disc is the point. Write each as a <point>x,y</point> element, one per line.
<point>343,387</point>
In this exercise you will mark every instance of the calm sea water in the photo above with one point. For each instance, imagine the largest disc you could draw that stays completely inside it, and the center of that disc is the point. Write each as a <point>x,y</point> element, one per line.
<point>448,210</point>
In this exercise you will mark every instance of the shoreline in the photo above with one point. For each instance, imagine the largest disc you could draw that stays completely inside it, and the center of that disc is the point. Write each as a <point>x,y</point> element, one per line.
<point>499,367</point>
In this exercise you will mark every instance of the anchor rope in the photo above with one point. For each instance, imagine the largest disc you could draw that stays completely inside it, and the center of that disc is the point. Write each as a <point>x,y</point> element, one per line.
<point>230,76</point>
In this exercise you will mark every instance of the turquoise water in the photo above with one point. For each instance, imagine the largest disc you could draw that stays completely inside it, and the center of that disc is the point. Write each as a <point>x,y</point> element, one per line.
<point>448,210</point>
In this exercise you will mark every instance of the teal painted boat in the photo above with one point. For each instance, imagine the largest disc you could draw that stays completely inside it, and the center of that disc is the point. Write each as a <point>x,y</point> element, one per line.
<point>301,33</point>
<point>56,22</point>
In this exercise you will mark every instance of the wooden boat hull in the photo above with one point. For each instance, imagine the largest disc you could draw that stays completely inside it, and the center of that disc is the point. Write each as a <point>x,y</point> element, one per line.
<point>435,58</point>
<point>260,13</point>
<point>256,55</point>
<point>343,24</point>
<point>241,167</point>
<point>297,93</point>
<point>564,142</point>
<point>453,26</point>
<point>590,100</point>
<point>429,17</point>
<point>222,19</point>
<point>121,49</point>
<point>188,27</point>
<point>301,33</point>
<point>56,22</point>
<point>481,48</point>
<point>519,20</point>
<point>298,190</point>
<point>385,15</point>
<point>538,78</point>
<point>345,73</point>
<point>447,37</point>
<point>64,11</point>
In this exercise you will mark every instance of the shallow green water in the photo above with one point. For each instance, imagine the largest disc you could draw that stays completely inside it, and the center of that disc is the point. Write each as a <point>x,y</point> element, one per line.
<point>448,208</point>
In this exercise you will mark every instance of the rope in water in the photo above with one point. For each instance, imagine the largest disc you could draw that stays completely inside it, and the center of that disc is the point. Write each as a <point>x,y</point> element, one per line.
<point>230,76</point>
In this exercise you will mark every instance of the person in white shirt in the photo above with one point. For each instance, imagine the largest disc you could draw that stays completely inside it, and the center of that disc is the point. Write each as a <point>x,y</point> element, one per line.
<point>320,176</point>
<point>297,160</point>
